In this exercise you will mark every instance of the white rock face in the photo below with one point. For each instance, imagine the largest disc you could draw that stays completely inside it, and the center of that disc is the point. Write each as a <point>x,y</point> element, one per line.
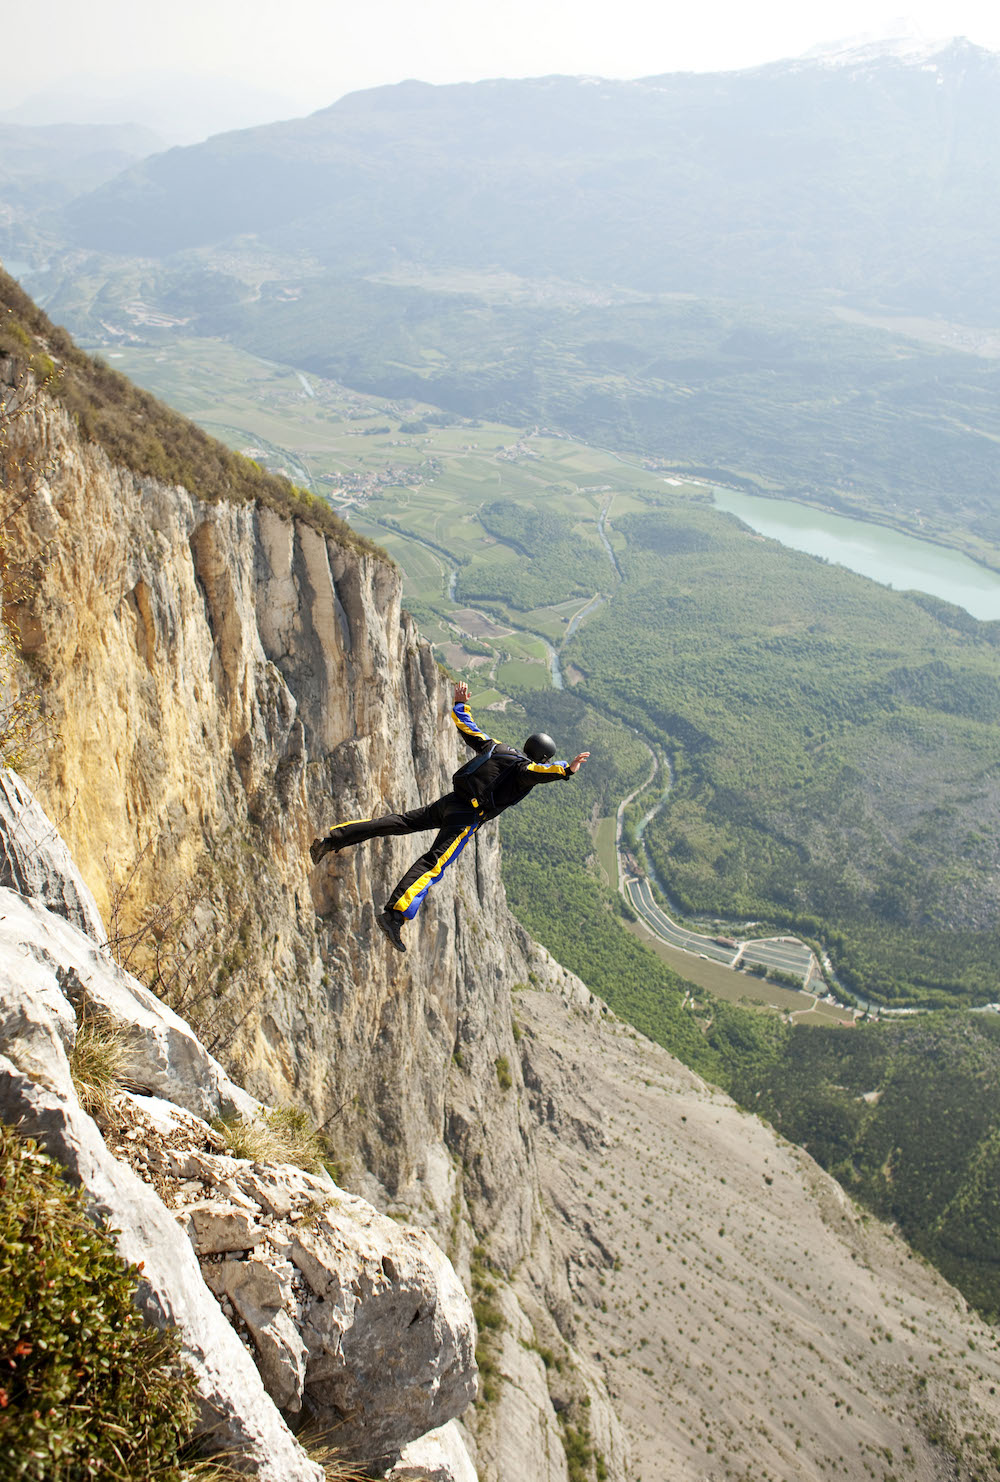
<point>332,1299</point>
<point>35,861</point>
<point>259,1296</point>
<point>440,1456</point>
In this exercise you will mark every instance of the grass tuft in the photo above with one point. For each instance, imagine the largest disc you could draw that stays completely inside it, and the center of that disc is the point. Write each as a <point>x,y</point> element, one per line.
<point>99,1065</point>
<point>283,1135</point>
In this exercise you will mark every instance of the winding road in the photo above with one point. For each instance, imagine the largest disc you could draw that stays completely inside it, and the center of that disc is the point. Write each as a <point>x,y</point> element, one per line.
<point>776,954</point>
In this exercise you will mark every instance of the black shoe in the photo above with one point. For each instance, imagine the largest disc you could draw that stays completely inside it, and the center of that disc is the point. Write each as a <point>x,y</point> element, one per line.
<point>333,840</point>
<point>390,924</point>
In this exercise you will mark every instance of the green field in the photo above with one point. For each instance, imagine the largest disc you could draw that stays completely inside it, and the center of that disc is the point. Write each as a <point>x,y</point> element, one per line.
<point>607,853</point>
<point>519,674</point>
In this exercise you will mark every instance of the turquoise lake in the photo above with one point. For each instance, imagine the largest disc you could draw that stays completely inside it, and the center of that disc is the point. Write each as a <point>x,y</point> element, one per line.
<point>899,561</point>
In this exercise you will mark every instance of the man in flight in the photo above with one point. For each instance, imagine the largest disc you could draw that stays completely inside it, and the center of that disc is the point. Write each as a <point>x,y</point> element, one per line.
<point>495,778</point>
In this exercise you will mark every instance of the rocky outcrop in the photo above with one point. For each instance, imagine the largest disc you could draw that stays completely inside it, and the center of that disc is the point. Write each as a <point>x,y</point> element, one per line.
<point>35,862</point>
<point>224,681</point>
<point>357,1319</point>
<point>335,1304</point>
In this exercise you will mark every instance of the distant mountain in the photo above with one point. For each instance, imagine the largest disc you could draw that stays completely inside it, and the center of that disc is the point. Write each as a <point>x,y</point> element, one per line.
<point>48,165</point>
<point>868,176</point>
<point>179,107</point>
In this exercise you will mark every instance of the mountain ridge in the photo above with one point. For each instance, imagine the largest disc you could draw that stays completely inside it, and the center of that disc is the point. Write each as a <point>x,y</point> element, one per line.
<point>686,182</point>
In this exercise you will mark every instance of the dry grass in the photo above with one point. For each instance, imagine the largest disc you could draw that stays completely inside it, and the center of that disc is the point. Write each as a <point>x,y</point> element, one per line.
<point>320,1445</point>
<point>99,1066</point>
<point>284,1135</point>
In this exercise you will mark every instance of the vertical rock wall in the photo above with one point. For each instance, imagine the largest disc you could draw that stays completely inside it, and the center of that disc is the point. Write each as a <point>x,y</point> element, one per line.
<point>223,682</point>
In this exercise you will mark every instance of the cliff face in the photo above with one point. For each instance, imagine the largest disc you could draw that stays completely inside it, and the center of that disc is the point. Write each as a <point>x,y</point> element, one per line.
<point>223,682</point>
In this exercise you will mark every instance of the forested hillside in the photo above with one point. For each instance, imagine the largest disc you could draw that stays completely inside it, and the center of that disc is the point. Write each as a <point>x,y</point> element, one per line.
<point>835,748</point>
<point>905,1115</point>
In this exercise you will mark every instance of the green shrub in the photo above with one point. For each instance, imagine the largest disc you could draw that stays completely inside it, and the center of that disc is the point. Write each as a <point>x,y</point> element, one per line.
<point>504,1077</point>
<point>579,1452</point>
<point>87,1390</point>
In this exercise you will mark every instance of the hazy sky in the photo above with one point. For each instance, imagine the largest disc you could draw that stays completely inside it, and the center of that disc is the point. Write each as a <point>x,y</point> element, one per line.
<point>310,52</point>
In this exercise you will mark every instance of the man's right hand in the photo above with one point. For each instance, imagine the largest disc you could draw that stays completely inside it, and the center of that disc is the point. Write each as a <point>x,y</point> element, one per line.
<point>461,693</point>
<point>578,761</point>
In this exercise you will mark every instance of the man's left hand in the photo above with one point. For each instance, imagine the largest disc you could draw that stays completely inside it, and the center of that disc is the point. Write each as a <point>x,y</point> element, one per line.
<point>578,761</point>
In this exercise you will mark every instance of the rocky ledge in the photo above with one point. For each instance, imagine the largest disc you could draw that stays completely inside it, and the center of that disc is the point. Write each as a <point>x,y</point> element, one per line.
<point>291,1295</point>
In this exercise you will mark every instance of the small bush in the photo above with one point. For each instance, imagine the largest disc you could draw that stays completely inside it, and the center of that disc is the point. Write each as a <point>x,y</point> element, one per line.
<point>87,1390</point>
<point>504,1076</point>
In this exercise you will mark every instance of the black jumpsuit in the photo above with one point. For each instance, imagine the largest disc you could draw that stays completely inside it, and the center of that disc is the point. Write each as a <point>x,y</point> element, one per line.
<point>455,818</point>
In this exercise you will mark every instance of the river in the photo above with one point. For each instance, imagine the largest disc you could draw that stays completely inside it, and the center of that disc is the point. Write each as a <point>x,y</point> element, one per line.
<point>887,556</point>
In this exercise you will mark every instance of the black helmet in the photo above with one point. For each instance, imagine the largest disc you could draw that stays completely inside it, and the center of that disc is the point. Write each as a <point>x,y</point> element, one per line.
<point>540,748</point>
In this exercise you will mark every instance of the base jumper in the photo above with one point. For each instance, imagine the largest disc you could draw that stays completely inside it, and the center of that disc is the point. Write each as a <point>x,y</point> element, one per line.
<point>495,778</point>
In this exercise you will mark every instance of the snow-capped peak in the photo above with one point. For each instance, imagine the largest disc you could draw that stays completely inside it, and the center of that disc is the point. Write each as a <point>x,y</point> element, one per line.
<point>903,43</point>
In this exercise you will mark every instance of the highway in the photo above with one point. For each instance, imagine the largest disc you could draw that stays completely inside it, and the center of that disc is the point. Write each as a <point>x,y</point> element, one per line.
<point>640,894</point>
<point>776,954</point>
<point>782,954</point>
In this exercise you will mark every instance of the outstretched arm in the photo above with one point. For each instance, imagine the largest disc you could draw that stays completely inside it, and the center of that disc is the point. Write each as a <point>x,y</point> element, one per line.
<point>549,771</point>
<point>467,728</point>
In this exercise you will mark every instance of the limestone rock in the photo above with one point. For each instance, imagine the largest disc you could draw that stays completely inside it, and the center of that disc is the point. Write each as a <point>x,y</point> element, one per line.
<point>35,861</point>
<point>439,1456</point>
<point>218,1227</point>
<point>37,1022</point>
<point>259,1297</point>
<point>281,1189</point>
<point>366,1318</point>
<point>390,1310</point>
